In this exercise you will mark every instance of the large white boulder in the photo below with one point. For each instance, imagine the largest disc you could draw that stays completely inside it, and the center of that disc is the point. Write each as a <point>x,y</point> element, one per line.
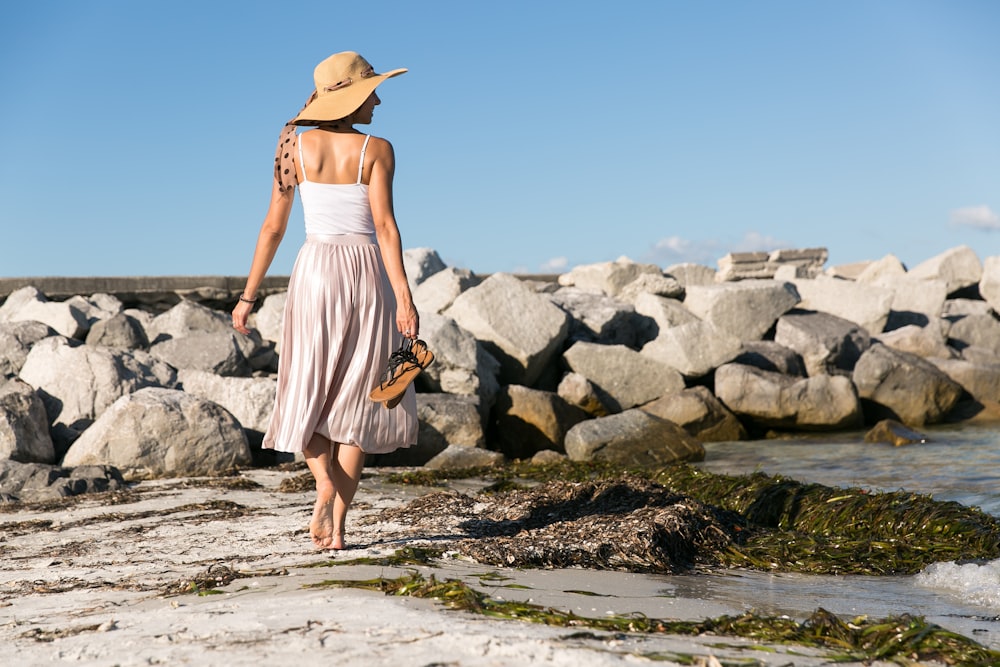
<point>524,330</point>
<point>159,432</point>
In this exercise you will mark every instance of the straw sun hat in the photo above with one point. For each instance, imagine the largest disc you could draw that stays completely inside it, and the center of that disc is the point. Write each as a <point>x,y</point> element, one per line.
<point>343,83</point>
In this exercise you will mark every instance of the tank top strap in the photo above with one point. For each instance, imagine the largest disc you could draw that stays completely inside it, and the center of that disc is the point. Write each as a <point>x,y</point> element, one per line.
<point>361,162</point>
<point>302,163</point>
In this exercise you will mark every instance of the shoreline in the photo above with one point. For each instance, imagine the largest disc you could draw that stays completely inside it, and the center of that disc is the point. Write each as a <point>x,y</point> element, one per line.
<point>98,581</point>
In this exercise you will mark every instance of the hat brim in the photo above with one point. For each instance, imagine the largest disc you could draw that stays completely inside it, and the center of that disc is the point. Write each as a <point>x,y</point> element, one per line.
<point>341,103</point>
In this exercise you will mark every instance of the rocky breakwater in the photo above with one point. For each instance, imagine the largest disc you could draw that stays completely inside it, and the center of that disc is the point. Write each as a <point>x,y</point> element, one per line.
<point>619,361</point>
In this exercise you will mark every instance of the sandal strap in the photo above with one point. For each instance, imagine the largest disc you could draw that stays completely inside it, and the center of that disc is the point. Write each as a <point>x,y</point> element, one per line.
<point>399,359</point>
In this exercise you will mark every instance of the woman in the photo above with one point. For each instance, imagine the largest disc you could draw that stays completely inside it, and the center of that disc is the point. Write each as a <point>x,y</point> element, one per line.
<point>344,293</point>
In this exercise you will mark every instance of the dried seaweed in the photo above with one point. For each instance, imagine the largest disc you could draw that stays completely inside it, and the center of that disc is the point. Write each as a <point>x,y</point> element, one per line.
<point>627,524</point>
<point>209,582</point>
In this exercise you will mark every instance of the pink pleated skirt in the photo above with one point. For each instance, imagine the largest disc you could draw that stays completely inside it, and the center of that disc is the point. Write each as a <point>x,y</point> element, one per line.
<point>338,333</point>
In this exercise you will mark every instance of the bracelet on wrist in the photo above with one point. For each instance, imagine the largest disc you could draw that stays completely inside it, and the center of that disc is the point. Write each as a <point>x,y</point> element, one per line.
<point>246,300</point>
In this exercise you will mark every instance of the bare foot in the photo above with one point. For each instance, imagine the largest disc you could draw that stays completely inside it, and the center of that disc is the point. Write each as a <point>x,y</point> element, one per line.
<point>337,541</point>
<point>321,526</point>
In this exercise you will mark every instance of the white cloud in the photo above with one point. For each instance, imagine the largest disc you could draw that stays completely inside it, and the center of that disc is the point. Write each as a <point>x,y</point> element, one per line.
<point>554,265</point>
<point>673,244</point>
<point>755,241</point>
<point>982,217</point>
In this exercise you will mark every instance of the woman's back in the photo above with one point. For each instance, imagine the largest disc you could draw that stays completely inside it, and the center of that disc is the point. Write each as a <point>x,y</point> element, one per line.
<point>331,173</point>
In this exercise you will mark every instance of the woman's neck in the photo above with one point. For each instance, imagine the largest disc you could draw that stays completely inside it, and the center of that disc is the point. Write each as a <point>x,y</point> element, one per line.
<point>336,126</point>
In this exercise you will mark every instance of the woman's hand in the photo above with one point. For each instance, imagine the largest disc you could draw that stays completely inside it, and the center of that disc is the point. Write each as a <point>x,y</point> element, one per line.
<point>408,322</point>
<point>240,314</point>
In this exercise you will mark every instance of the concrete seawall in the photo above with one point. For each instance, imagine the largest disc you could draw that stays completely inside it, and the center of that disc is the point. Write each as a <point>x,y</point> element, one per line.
<point>155,291</point>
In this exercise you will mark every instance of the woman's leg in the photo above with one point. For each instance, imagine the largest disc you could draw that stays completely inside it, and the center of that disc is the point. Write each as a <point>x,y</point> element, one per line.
<point>347,462</point>
<point>318,458</point>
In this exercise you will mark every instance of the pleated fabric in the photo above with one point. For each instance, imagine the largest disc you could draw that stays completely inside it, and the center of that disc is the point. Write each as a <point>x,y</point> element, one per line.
<point>338,333</point>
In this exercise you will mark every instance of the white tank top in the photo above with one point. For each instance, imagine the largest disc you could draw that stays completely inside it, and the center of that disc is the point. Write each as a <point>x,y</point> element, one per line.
<point>336,208</point>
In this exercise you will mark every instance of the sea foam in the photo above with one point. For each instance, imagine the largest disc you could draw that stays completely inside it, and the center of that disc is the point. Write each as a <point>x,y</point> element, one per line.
<point>974,583</point>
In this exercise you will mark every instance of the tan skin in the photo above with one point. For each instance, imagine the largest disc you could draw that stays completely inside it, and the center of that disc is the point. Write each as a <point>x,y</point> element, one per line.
<point>332,154</point>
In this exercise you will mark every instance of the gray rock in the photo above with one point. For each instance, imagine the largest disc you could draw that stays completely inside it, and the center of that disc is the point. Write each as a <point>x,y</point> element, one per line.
<point>924,342</point>
<point>699,413</point>
<point>917,301</point>
<point>902,386</point>
<point>438,291</point>
<point>250,400</point>
<point>694,349</point>
<point>828,345</point>
<point>96,307</point>
<point>548,457</point>
<point>894,433</point>
<point>745,266</point>
<point>24,426</point>
<point>609,278</point>
<point>688,274</point>
<point>889,267</point>
<point>982,331</point>
<point>530,420</point>
<point>523,330</point>
<point>632,438</point>
<point>37,482</point>
<point>597,318</point>
<point>865,305</point>
<point>577,390</point>
<point>652,283</point>
<point>989,282</point>
<point>456,456</point>
<point>820,403</point>
<point>79,382</point>
<point>747,309</point>
<point>16,339</point>
<point>622,377</point>
<point>956,308</point>
<point>848,271</point>
<point>158,432</point>
<point>979,355</point>
<point>215,352</point>
<point>768,355</point>
<point>461,365</point>
<point>120,331</point>
<point>958,268</point>
<point>420,264</point>
<point>656,313</point>
<point>144,318</point>
<point>980,380</point>
<point>270,319</point>
<point>29,304</point>
<point>187,318</point>
<point>444,421</point>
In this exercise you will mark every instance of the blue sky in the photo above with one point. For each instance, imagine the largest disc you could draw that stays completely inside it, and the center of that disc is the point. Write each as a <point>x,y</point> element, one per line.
<point>530,136</point>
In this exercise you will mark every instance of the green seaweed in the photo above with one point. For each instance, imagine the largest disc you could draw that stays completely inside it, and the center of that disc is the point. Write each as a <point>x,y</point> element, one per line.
<point>816,528</point>
<point>408,555</point>
<point>899,639</point>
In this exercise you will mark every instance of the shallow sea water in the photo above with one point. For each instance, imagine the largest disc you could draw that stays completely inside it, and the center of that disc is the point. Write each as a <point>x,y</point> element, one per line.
<point>957,463</point>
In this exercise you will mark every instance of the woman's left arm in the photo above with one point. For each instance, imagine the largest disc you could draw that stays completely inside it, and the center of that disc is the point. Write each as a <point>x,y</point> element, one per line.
<point>387,232</point>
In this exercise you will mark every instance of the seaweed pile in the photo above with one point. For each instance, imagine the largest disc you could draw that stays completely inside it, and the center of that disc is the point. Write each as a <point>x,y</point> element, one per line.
<point>627,523</point>
<point>665,520</point>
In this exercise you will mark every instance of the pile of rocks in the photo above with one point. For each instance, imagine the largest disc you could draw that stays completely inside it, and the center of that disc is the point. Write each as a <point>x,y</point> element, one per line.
<point>619,361</point>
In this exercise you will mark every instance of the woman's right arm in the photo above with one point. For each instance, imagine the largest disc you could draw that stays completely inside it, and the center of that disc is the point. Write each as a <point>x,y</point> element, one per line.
<point>271,233</point>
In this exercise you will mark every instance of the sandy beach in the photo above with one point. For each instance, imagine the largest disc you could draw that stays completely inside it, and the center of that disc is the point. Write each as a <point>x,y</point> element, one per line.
<point>106,580</point>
